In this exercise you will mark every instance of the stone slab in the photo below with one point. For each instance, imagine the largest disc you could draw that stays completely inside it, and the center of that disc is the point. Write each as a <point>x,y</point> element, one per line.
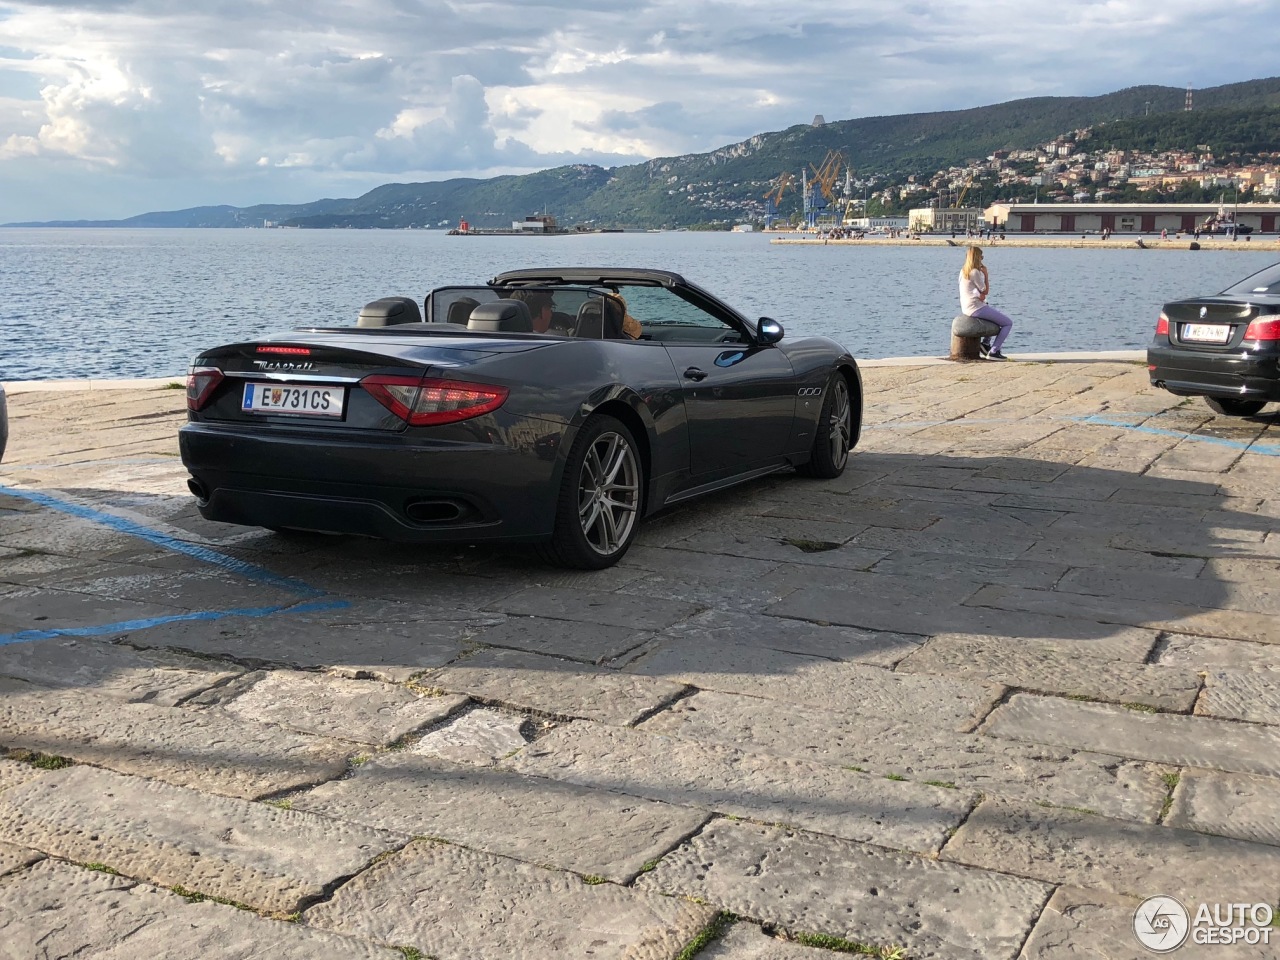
<point>1252,695</point>
<point>13,773</point>
<point>1229,805</point>
<point>848,688</point>
<point>814,796</point>
<point>1209,653</point>
<point>43,608</point>
<point>591,832</point>
<point>366,711</point>
<point>477,737</point>
<point>607,609</point>
<point>113,670</point>
<point>746,941</point>
<point>550,686</point>
<point>942,566</point>
<point>1081,849</point>
<point>1052,668</point>
<point>921,751</point>
<point>206,749</point>
<point>59,910</point>
<point>808,884</point>
<point>385,649</point>
<point>252,853</point>
<point>715,628</point>
<point>872,612</point>
<point>1085,925</point>
<point>1256,596</point>
<point>1156,614</point>
<point>1158,737</point>
<point>458,904</point>
<point>589,642</point>
<point>15,856</point>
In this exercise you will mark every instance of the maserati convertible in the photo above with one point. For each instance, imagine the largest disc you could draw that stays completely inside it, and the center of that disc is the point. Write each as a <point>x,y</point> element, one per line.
<point>551,406</point>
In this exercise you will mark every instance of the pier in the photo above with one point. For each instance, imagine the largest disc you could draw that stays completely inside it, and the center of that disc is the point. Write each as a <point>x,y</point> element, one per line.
<point>1012,672</point>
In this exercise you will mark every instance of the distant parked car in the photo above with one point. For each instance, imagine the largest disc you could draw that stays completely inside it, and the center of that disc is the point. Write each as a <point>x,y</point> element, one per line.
<point>1225,348</point>
<point>4,422</point>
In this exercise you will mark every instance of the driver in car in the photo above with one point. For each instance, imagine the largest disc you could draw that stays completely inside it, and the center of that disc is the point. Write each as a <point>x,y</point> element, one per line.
<point>542,308</point>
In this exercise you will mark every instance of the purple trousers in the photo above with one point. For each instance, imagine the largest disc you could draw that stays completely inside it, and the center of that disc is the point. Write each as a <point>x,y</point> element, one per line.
<point>988,312</point>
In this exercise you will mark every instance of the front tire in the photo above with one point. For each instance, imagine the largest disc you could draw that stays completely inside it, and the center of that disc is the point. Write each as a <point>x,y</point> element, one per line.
<point>598,508</point>
<point>834,436</point>
<point>1234,408</point>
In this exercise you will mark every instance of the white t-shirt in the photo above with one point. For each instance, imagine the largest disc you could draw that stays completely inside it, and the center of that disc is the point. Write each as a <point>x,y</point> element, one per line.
<point>972,290</point>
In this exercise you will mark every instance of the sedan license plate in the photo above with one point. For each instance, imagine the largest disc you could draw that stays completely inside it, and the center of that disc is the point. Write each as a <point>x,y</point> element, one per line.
<point>1207,332</point>
<point>296,400</point>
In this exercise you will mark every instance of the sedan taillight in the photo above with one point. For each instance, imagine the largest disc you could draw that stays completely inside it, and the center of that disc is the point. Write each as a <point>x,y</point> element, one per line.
<point>1263,329</point>
<point>201,382</point>
<point>1162,326</point>
<point>428,401</point>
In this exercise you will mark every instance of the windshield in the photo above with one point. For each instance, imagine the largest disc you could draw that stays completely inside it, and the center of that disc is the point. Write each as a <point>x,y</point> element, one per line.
<point>1265,282</point>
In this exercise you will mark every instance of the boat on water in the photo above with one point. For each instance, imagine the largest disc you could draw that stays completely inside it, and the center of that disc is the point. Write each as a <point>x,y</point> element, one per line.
<point>1224,223</point>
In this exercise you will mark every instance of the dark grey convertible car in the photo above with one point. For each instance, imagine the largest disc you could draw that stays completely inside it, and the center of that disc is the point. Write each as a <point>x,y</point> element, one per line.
<point>554,406</point>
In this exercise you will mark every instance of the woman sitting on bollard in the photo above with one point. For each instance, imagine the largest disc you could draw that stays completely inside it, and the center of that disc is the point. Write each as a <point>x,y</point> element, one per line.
<point>975,284</point>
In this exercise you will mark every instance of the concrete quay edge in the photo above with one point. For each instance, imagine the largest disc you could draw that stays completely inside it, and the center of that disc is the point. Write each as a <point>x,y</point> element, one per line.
<point>13,387</point>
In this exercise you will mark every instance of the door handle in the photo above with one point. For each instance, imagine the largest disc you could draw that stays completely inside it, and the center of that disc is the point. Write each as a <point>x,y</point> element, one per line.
<point>693,373</point>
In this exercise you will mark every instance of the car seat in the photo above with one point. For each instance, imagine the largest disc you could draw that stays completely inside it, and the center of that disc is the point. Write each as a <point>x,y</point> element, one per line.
<point>595,322</point>
<point>501,316</point>
<point>460,310</point>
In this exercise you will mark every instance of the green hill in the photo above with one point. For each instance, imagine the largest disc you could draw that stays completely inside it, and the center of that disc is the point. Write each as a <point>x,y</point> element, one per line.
<point>728,183</point>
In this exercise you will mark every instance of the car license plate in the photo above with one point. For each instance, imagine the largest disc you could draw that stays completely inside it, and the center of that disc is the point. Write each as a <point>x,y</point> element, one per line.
<point>1207,332</point>
<point>297,400</point>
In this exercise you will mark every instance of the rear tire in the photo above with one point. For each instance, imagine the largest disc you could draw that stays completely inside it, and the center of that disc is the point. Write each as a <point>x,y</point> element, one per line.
<point>1234,408</point>
<point>834,436</point>
<point>598,508</point>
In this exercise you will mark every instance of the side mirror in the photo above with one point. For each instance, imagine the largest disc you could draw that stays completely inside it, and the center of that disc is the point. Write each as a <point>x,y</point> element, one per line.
<point>769,330</point>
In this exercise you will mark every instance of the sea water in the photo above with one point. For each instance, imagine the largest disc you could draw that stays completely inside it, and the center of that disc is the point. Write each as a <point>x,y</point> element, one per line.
<point>111,303</point>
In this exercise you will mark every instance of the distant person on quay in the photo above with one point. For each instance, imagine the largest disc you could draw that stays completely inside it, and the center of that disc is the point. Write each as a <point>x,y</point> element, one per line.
<point>975,285</point>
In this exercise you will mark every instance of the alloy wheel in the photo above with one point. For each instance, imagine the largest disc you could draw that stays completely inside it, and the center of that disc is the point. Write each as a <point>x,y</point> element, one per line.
<point>608,493</point>
<point>838,431</point>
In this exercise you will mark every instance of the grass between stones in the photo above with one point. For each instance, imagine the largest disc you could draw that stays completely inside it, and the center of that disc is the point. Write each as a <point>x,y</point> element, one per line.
<point>45,761</point>
<point>193,896</point>
<point>841,945</point>
<point>712,931</point>
<point>101,868</point>
<point>1170,781</point>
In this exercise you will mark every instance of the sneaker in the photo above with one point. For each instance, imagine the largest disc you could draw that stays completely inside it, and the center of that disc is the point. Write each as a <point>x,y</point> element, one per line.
<point>984,348</point>
<point>996,355</point>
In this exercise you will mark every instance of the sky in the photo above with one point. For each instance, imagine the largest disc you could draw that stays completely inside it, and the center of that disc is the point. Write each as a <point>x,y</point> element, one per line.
<point>110,108</point>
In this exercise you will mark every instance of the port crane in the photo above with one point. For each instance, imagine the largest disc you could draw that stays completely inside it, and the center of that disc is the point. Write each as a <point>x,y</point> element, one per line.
<point>819,192</point>
<point>773,198</point>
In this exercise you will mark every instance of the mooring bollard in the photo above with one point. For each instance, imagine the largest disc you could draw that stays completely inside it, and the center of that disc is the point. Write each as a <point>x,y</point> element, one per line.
<point>966,337</point>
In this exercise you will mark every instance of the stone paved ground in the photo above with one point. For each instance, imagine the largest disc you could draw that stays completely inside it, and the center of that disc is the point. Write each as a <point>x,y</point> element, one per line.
<point>1016,670</point>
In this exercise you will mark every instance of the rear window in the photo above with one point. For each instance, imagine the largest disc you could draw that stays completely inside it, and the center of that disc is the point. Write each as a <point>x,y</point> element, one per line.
<point>1265,282</point>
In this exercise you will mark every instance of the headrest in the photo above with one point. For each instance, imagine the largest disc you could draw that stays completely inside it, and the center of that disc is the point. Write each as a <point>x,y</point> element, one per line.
<point>501,316</point>
<point>595,322</point>
<point>389,311</point>
<point>460,310</point>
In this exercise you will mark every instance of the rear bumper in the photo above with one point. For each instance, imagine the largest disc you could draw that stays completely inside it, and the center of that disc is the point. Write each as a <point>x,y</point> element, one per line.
<point>1192,373</point>
<point>415,492</point>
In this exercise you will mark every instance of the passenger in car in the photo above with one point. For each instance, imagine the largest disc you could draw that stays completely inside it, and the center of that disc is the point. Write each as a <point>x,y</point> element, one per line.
<point>542,307</point>
<point>606,318</point>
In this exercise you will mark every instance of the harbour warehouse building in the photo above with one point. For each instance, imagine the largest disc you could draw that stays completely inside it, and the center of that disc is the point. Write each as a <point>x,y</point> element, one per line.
<point>1125,217</point>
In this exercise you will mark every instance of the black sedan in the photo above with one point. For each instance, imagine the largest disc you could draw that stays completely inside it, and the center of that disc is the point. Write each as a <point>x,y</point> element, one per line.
<point>1225,348</point>
<point>553,406</point>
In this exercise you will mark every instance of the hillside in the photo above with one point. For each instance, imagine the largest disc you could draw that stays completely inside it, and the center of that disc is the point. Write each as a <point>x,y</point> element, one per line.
<point>728,183</point>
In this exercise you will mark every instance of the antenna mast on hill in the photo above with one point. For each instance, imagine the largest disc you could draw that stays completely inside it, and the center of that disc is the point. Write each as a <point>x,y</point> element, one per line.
<point>1187,108</point>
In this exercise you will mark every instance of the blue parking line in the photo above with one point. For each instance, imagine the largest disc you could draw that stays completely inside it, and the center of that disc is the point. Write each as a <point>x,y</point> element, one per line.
<point>1267,450</point>
<point>26,636</point>
<point>245,569</point>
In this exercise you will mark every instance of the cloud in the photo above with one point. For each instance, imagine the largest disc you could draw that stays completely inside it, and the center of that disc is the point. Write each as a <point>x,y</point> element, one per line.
<point>252,100</point>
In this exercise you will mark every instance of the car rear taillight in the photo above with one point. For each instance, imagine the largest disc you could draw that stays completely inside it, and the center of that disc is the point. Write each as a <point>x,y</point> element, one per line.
<point>287,351</point>
<point>427,401</point>
<point>1162,326</point>
<point>1268,329</point>
<point>200,385</point>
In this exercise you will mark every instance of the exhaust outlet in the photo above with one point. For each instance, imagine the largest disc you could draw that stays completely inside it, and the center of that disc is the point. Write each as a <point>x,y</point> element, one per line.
<point>198,490</point>
<point>433,511</point>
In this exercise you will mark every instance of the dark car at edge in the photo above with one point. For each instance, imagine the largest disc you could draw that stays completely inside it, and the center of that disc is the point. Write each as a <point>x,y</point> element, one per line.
<point>1225,348</point>
<point>462,423</point>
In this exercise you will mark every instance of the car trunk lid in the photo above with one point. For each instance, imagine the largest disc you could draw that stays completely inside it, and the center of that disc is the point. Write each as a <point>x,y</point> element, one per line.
<point>1209,322</point>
